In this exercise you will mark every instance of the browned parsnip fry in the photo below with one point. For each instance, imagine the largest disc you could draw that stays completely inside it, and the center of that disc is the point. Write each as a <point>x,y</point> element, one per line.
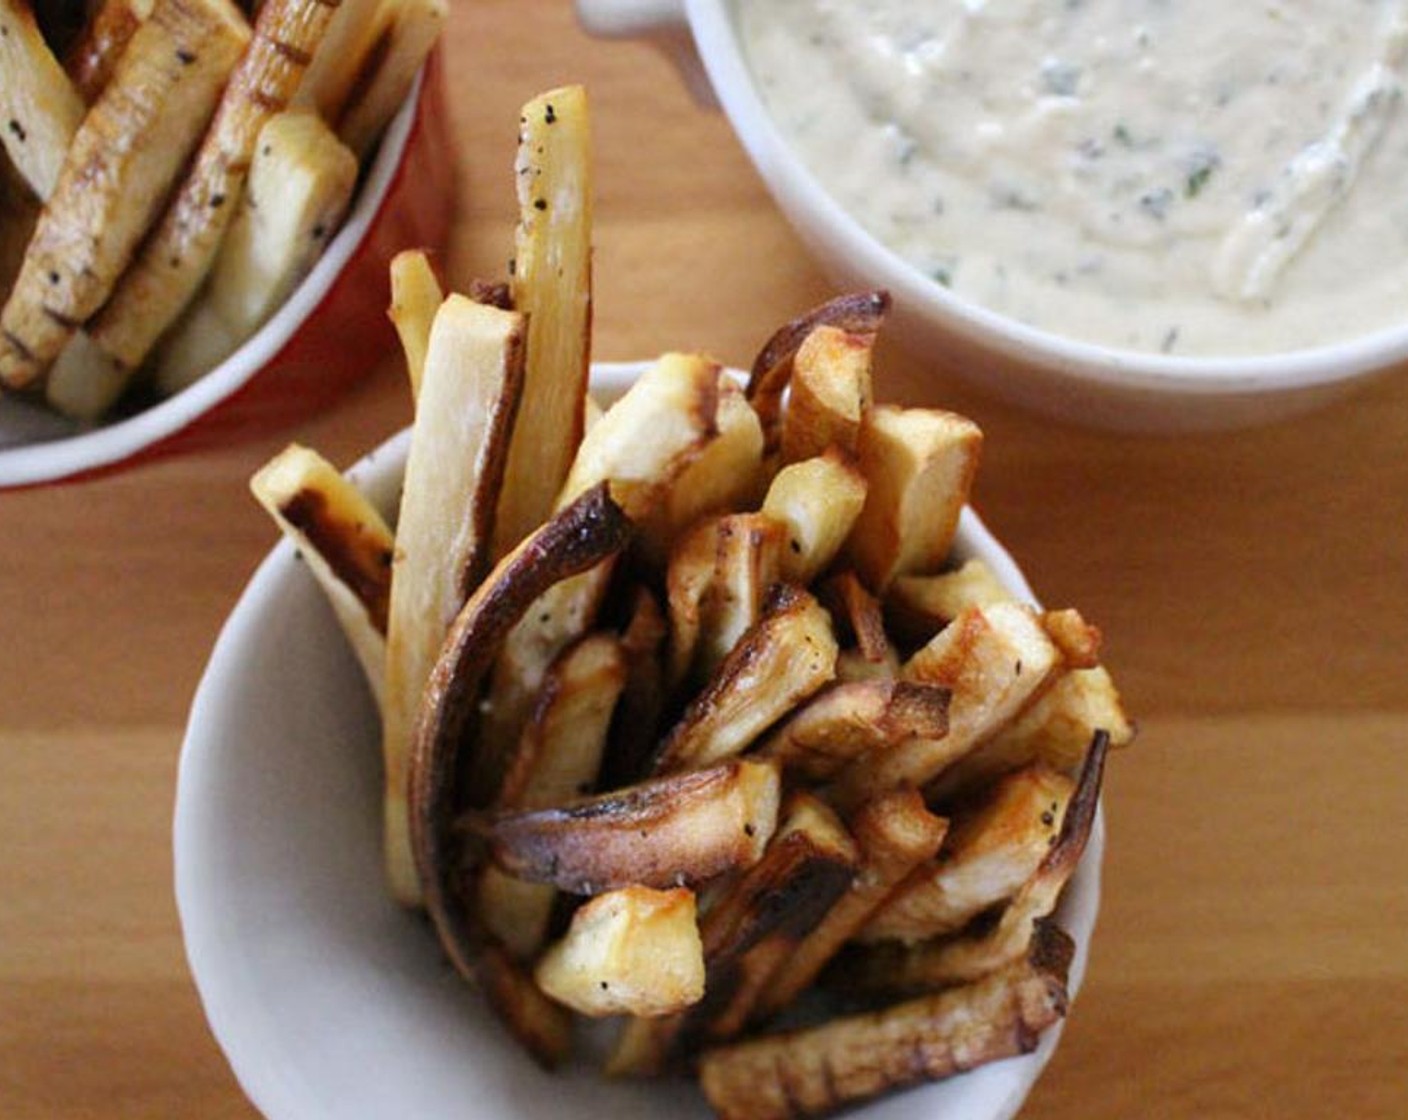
<point>636,724</point>
<point>966,956</point>
<point>552,286</point>
<point>129,149</point>
<point>577,538</point>
<point>473,378</point>
<point>818,501</point>
<point>992,851</point>
<point>851,720</point>
<point>347,55</point>
<point>895,833</point>
<point>831,393</point>
<point>918,607</point>
<point>919,464</point>
<point>727,475</point>
<point>415,297</point>
<point>746,929</point>
<point>558,759</point>
<point>344,541</point>
<point>853,601</point>
<point>819,1070</point>
<point>858,313</point>
<point>542,1027</point>
<point>1078,641</point>
<point>698,824</point>
<point>994,662</point>
<point>633,951</point>
<point>785,658</point>
<point>414,28</point>
<point>39,107</point>
<point>178,253</point>
<point>92,59</point>
<point>639,447</point>
<point>717,584</point>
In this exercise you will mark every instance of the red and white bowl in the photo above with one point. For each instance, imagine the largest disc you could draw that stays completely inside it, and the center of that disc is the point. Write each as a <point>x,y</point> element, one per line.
<point>331,332</point>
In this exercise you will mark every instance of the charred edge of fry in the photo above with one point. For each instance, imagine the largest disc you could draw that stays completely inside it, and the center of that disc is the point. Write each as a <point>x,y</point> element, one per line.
<point>863,612</point>
<point>492,293</point>
<point>636,724</point>
<point>93,57</point>
<point>366,571</point>
<point>858,312</point>
<point>582,535</point>
<point>542,1027</point>
<point>1079,820</point>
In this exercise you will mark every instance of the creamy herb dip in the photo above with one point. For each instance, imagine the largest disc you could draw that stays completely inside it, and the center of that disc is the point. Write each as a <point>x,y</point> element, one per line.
<point>1185,176</point>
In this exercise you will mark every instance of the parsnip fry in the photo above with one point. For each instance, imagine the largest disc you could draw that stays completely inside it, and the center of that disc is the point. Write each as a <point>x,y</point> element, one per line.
<point>851,720</point>
<point>543,1028</point>
<point>414,28</point>
<point>858,313</point>
<point>300,184</point>
<point>552,287</point>
<point>473,378</point>
<point>918,607</point>
<point>344,541</point>
<point>415,297</point>
<point>40,110</point>
<point>558,759</point>
<point>895,833</point>
<point>785,658</point>
<point>830,393</point>
<point>129,149</point>
<point>631,951</point>
<point>919,464</point>
<point>92,59</point>
<point>993,849</point>
<point>994,662</point>
<point>854,603</point>
<point>177,256</point>
<point>819,1070</point>
<point>345,58</point>
<point>818,500</point>
<point>636,725</point>
<point>577,538</point>
<point>699,824</point>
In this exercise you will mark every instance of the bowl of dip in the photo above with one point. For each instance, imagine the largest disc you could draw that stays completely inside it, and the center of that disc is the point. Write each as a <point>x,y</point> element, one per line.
<point>1147,216</point>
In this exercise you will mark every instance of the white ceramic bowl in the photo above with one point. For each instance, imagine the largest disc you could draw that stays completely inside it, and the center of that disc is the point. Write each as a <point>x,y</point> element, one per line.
<point>329,999</point>
<point>1069,379</point>
<point>329,333</point>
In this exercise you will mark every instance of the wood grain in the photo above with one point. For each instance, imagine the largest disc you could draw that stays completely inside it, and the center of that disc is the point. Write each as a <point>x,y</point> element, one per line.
<point>1251,958</point>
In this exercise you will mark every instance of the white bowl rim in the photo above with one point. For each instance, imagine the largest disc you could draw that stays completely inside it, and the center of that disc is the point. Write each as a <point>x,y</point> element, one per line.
<point>796,190</point>
<point>222,989</point>
<point>108,444</point>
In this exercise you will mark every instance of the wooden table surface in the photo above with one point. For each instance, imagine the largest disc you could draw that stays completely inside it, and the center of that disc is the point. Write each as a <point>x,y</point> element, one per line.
<point>1252,953</point>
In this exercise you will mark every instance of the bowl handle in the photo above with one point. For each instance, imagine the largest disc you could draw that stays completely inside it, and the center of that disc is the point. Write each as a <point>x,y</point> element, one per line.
<point>662,23</point>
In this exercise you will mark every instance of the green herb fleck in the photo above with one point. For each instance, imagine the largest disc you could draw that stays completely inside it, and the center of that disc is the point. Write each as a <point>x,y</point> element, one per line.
<point>1197,181</point>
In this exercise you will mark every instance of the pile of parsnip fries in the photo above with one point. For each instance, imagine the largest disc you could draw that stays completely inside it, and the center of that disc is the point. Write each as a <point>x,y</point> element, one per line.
<point>688,716</point>
<point>171,169</point>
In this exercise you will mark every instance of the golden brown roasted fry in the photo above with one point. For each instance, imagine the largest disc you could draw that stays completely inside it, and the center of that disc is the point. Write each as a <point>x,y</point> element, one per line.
<point>344,541</point>
<point>831,393</point>
<point>343,61</point>
<point>542,1027</point>
<point>577,538</point>
<point>918,607</point>
<point>717,584</point>
<point>746,932</point>
<point>992,851</point>
<point>781,661</point>
<point>994,662</point>
<point>853,602</point>
<point>895,833</point>
<point>558,759</point>
<point>633,951</point>
<point>415,26</point>
<point>919,464</point>
<point>818,1070</point>
<point>698,825</point>
<point>415,297</point>
<point>473,377</point>
<point>974,953</point>
<point>859,313</point>
<point>818,500</point>
<point>127,152</point>
<point>176,257</point>
<point>40,111</point>
<point>853,719</point>
<point>552,286</point>
<point>93,57</point>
